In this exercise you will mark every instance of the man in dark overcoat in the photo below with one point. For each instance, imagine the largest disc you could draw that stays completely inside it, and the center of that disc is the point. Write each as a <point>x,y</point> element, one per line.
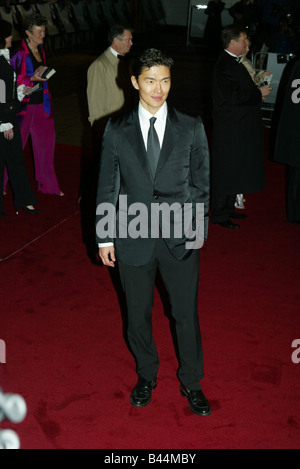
<point>237,156</point>
<point>287,148</point>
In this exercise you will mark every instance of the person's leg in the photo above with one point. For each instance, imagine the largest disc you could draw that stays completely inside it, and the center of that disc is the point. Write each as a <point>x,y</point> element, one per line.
<point>43,145</point>
<point>293,195</point>
<point>181,278</point>
<point>221,208</point>
<point>2,167</point>
<point>138,284</point>
<point>15,161</point>
<point>5,181</point>
<point>25,131</point>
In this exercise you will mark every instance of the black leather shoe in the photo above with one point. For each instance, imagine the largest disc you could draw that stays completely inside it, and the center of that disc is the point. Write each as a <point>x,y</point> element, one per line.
<point>197,401</point>
<point>141,394</point>
<point>228,224</point>
<point>238,215</point>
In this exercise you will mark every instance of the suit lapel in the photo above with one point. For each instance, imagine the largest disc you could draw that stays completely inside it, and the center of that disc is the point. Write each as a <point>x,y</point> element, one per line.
<point>172,132</point>
<point>134,135</point>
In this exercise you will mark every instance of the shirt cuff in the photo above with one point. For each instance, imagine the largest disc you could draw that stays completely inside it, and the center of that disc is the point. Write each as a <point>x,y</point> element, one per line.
<point>20,92</point>
<point>105,245</point>
<point>6,126</point>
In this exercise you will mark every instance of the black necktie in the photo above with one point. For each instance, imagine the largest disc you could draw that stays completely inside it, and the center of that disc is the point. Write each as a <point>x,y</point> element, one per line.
<point>153,146</point>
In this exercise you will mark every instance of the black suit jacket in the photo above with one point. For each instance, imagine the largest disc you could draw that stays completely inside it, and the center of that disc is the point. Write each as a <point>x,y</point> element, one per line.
<point>8,89</point>
<point>182,176</point>
<point>237,153</point>
<point>287,148</point>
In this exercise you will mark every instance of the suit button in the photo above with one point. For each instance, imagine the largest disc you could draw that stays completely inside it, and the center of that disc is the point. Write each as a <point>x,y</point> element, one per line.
<point>155,197</point>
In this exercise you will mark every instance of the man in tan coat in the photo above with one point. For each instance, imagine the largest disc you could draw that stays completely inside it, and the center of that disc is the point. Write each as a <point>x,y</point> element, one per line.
<point>109,92</point>
<point>109,89</point>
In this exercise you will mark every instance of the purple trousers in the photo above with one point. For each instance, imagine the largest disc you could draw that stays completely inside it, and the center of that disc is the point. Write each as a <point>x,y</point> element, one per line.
<point>42,135</point>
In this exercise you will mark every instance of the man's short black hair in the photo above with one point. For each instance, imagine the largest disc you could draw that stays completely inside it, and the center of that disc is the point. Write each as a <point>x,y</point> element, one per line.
<point>232,31</point>
<point>151,58</point>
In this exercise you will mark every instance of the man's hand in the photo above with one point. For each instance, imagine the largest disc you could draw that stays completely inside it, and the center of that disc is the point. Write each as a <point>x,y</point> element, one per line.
<point>107,256</point>
<point>8,134</point>
<point>265,91</point>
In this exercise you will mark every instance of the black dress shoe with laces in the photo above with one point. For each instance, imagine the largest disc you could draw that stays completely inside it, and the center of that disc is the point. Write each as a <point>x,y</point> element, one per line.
<point>141,394</point>
<point>197,401</point>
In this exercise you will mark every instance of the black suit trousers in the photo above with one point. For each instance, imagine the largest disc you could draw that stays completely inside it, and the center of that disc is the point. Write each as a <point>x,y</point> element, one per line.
<point>293,195</point>
<point>11,155</point>
<point>181,278</point>
<point>222,207</point>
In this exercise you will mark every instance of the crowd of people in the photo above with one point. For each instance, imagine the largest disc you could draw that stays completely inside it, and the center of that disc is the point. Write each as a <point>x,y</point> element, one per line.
<point>26,109</point>
<point>272,25</point>
<point>11,154</point>
<point>152,153</point>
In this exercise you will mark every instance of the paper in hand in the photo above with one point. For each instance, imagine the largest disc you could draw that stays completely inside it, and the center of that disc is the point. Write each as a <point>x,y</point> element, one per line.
<point>33,89</point>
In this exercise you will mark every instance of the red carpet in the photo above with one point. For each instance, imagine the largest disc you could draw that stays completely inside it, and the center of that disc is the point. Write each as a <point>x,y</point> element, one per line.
<point>65,352</point>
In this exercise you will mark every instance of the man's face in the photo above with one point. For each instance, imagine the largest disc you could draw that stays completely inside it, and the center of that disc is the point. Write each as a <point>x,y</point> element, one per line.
<point>240,46</point>
<point>123,46</point>
<point>153,85</point>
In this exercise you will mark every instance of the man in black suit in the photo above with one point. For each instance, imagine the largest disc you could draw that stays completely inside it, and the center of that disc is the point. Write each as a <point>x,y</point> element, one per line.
<point>237,153</point>
<point>178,178</point>
<point>287,144</point>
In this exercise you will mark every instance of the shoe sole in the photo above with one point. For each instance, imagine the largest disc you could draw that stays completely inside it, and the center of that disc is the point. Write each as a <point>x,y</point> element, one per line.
<point>140,405</point>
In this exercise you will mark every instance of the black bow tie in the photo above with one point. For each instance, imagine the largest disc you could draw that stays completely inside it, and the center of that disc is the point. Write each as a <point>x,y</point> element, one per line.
<point>238,59</point>
<point>121,57</point>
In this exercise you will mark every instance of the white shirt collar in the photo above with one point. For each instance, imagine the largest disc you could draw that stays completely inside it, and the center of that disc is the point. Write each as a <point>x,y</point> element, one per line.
<point>161,114</point>
<point>230,53</point>
<point>160,123</point>
<point>114,52</point>
<point>5,53</point>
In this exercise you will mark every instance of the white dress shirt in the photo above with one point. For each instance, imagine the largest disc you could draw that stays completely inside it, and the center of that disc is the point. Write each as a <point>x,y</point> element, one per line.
<point>160,123</point>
